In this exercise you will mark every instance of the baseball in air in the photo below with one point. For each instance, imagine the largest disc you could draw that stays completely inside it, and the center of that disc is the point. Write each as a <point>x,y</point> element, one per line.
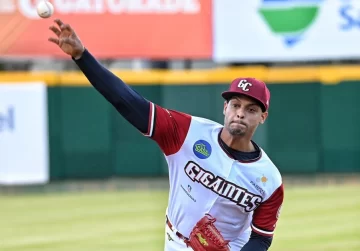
<point>45,9</point>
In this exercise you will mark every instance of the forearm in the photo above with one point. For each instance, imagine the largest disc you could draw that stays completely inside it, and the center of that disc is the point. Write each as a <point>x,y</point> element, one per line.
<point>132,106</point>
<point>257,243</point>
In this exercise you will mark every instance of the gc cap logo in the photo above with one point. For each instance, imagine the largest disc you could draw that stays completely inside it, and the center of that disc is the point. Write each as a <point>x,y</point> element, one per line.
<point>243,84</point>
<point>251,87</point>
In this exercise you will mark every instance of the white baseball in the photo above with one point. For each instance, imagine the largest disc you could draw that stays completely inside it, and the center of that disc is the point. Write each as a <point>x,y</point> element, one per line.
<point>45,9</point>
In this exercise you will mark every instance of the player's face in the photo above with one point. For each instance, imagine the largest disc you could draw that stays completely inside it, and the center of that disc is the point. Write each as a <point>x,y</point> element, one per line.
<point>243,115</point>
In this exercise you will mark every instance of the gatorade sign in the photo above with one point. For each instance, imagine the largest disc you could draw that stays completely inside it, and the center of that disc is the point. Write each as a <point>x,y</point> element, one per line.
<point>111,28</point>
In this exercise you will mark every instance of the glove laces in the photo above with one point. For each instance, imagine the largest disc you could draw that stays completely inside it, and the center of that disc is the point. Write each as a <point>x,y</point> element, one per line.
<point>213,233</point>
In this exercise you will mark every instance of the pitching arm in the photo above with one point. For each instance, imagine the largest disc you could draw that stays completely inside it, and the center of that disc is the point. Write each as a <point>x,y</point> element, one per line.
<point>132,106</point>
<point>167,127</point>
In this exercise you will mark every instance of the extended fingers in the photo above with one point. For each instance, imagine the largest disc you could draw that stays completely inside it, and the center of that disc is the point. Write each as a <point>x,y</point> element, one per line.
<point>55,30</point>
<point>60,42</point>
<point>54,40</point>
<point>67,27</point>
<point>63,26</point>
<point>59,22</point>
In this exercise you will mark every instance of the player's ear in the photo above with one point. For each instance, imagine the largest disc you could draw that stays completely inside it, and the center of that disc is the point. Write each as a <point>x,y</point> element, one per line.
<point>264,115</point>
<point>225,105</point>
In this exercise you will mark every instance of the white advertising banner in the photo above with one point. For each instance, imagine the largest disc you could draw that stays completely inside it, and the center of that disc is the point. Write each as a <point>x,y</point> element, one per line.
<point>23,134</point>
<point>286,30</point>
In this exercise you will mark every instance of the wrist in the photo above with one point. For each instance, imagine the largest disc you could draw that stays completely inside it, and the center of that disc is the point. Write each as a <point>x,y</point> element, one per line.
<point>79,55</point>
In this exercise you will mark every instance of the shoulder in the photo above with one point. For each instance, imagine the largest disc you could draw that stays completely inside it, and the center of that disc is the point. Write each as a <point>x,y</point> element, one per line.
<point>205,122</point>
<point>271,171</point>
<point>196,120</point>
<point>203,127</point>
<point>272,168</point>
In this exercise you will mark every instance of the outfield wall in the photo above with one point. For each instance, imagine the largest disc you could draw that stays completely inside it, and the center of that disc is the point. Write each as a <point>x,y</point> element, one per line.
<point>312,125</point>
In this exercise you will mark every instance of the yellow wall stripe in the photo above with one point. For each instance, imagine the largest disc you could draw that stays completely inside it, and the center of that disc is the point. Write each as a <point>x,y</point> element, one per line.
<point>51,78</point>
<point>286,75</point>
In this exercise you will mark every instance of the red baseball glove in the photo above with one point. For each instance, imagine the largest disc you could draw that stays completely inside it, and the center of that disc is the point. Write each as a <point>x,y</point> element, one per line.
<point>206,237</point>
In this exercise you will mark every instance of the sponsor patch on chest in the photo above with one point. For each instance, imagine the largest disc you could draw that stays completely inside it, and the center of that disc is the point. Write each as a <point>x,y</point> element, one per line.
<point>222,187</point>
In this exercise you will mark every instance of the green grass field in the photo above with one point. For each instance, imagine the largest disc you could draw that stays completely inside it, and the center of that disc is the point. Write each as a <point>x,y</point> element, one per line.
<point>312,219</point>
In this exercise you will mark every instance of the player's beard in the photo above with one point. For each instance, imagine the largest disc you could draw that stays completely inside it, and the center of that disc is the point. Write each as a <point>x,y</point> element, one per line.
<point>236,131</point>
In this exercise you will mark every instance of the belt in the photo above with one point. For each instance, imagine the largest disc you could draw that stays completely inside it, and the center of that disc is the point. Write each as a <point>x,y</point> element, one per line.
<point>178,234</point>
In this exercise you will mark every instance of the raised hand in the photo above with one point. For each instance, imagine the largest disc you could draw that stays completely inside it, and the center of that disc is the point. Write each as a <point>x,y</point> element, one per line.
<point>67,39</point>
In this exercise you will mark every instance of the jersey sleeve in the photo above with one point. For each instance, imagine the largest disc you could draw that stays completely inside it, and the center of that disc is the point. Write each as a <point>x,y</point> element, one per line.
<point>267,214</point>
<point>168,128</point>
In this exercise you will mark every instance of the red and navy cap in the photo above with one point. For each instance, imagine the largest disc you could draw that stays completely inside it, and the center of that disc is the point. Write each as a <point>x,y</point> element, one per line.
<point>251,87</point>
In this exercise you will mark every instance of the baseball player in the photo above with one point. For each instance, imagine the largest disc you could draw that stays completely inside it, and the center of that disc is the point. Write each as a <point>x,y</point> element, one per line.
<point>225,192</point>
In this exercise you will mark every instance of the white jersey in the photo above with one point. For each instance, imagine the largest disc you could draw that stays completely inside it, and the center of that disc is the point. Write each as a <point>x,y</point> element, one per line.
<point>242,196</point>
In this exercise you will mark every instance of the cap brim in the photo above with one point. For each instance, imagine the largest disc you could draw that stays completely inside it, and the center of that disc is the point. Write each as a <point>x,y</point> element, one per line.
<point>228,94</point>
